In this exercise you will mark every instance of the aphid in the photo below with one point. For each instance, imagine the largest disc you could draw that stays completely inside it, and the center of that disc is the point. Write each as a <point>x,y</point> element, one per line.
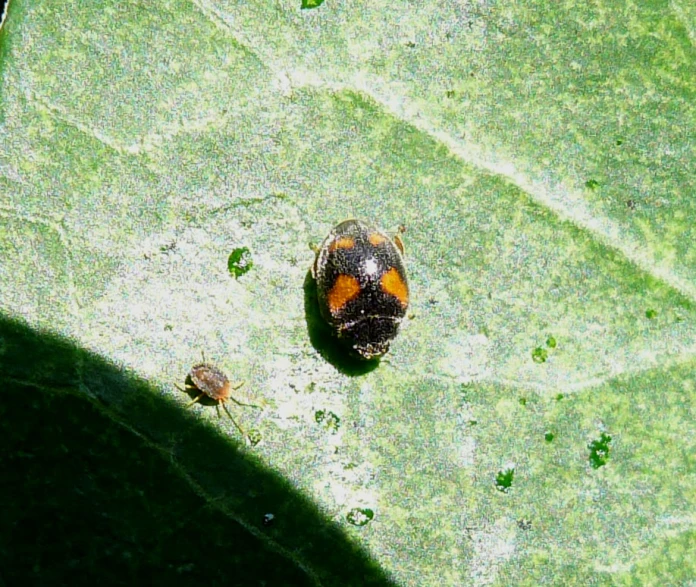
<point>212,382</point>
<point>361,286</point>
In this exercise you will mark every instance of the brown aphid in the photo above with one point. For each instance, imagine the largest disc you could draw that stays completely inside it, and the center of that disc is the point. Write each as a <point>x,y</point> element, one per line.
<point>212,382</point>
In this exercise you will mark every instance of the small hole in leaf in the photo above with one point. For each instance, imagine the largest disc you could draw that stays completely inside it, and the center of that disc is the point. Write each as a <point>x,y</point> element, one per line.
<point>327,419</point>
<point>503,480</point>
<point>360,516</point>
<point>599,451</point>
<point>309,4</point>
<point>254,436</point>
<point>239,262</point>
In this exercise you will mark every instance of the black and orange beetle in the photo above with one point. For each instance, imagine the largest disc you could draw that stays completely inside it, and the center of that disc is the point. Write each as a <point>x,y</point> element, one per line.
<point>361,286</point>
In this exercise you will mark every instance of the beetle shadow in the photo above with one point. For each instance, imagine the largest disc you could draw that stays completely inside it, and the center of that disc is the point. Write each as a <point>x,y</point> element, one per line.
<point>325,342</point>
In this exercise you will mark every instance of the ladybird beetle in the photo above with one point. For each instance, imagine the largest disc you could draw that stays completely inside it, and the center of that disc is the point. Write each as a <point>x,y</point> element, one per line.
<point>361,286</point>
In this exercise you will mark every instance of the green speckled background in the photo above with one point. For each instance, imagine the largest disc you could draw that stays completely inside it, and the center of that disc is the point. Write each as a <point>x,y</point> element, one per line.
<point>542,159</point>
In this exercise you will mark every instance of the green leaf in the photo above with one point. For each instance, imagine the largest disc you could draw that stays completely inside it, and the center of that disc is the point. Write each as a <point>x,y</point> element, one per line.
<point>541,159</point>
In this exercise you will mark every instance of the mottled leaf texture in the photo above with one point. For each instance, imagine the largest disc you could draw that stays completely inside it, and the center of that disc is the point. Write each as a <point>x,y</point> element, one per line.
<point>165,167</point>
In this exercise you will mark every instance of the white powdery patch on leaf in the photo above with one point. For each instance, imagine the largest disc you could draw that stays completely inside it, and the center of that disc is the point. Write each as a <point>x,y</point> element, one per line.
<point>466,358</point>
<point>493,546</point>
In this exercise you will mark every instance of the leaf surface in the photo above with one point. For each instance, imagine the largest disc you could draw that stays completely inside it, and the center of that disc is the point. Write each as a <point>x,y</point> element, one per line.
<point>534,422</point>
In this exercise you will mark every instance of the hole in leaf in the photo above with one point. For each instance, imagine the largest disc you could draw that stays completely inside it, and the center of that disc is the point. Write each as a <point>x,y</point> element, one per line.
<point>239,262</point>
<point>360,516</point>
<point>599,451</point>
<point>503,480</point>
<point>254,436</point>
<point>328,420</point>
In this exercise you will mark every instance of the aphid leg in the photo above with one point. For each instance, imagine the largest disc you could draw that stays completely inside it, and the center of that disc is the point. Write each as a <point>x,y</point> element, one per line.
<point>187,389</point>
<point>241,430</point>
<point>188,405</point>
<point>236,401</point>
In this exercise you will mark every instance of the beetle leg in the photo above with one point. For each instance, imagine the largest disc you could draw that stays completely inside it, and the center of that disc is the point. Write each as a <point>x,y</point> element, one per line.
<point>399,244</point>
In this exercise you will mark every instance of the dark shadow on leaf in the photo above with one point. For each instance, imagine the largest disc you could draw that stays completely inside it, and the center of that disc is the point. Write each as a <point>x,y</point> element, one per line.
<point>104,481</point>
<point>325,342</point>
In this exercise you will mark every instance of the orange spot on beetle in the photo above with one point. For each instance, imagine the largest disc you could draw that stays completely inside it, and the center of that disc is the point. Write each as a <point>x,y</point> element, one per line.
<point>343,291</point>
<point>344,242</point>
<point>393,284</point>
<point>376,239</point>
